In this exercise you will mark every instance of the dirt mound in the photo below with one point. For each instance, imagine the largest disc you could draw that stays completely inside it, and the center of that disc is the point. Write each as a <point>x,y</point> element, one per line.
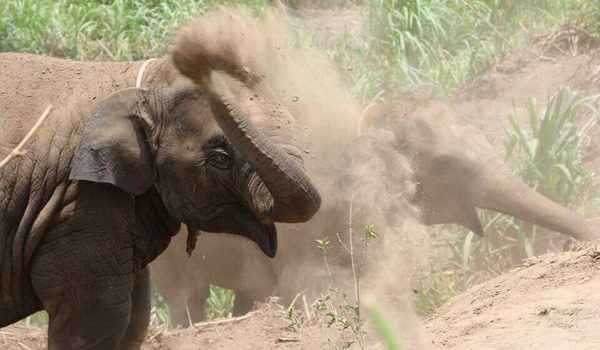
<point>265,328</point>
<point>550,302</point>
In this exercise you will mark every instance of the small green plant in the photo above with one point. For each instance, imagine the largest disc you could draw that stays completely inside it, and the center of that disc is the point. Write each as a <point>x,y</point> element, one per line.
<point>382,326</point>
<point>160,314</point>
<point>219,303</point>
<point>336,305</point>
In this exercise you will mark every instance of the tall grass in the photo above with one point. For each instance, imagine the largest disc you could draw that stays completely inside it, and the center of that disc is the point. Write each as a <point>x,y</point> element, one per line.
<point>438,45</point>
<point>548,160</point>
<point>93,30</point>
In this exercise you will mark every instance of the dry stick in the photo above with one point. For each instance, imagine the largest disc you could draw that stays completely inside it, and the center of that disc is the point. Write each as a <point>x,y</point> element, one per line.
<point>342,243</point>
<point>306,309</point>
<point>154,336</point>
<point>227,320</point>
<point>16,152</point>
<point>24,346</point>
<point>331,281</point>
<point>296,298</point>
<point>354,274</point>
<point>288,340</point>
<point>112,57</point>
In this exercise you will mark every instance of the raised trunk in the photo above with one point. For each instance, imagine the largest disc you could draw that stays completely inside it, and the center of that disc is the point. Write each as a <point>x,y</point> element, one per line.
<point>295,198</point>
<point>501,190</point>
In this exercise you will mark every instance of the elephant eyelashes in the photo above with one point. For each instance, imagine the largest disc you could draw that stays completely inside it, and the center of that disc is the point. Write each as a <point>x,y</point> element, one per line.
<point>220,159</point>
<point>218,152</point>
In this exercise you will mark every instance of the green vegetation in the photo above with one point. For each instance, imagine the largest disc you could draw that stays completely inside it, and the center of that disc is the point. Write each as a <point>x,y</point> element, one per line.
<point>93,30</point>
<point>219,303</point>
<point>439,45</point>
<point>382,326</point>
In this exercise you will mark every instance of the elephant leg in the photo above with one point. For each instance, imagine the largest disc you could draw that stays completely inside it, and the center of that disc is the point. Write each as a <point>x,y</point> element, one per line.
<point>94,317</point>
<point>244,303</point>
<point>141,304</point>
<point>99,323</point>
<point>85,279</point>
<point>195,303</point>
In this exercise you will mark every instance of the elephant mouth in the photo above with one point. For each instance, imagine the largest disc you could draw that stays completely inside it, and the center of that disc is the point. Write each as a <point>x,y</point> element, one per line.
<point>267,240</point>
<point>241,221</point>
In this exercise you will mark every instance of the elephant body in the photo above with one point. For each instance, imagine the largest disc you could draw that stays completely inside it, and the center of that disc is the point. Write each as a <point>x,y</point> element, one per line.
<point>60,239</point>
<point>32,211</point>
<point>455,170</point>
<point>114,170</point>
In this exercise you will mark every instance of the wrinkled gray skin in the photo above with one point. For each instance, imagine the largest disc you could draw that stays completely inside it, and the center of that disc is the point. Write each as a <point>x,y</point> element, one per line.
<point>111,175</point>
<point>456,170</point>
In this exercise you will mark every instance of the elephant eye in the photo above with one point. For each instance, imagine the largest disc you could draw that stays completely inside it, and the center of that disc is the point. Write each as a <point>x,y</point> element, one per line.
<point>220,159</point>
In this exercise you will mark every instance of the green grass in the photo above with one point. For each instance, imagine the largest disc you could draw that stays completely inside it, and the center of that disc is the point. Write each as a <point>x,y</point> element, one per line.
<point>439,45</point>
<point>548,159</point>
<point>88,30</point>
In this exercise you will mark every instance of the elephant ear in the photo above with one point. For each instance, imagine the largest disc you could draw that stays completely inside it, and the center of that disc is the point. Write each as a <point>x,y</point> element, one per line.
<point>113,148</point>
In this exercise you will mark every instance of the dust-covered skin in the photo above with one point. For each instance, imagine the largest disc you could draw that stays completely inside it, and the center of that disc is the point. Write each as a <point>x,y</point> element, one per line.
<point>455,170</point>
<point>114,170</point>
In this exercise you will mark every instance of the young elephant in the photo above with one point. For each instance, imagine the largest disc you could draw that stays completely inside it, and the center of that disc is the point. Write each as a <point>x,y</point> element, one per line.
<point>455,170</point>
<point>113,171</point>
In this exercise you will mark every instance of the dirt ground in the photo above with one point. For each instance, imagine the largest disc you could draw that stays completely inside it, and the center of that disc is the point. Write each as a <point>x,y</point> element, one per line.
<point>550,302</point>
<point>264,328</point>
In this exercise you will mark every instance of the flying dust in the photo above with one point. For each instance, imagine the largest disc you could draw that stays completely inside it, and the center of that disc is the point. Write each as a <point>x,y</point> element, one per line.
<point>362,178</point>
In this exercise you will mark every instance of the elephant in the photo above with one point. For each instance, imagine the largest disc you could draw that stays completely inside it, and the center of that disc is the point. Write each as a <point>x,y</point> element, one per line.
<point>116,168</point>
<point>455,171</point>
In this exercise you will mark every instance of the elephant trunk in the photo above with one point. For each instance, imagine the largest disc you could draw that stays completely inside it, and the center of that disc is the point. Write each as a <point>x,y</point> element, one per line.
<point>295,197</point>
<point>501,190</point>
<point>216,52</point>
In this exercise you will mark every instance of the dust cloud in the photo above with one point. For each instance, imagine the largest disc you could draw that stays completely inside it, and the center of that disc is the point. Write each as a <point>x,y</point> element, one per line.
<point>362,178</point>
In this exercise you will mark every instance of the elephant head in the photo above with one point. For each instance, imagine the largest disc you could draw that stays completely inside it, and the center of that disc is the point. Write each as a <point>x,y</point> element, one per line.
<point>206,153</point>
<point>457,170</point>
